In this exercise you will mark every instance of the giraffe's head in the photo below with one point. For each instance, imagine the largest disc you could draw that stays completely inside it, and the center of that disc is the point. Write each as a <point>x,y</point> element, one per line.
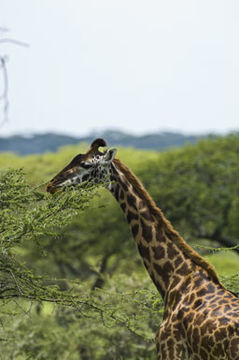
<point>91,166</point>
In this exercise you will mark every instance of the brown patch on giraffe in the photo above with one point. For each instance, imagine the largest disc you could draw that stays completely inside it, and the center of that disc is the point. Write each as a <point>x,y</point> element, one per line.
<point>157,347</point>
<point>123,206</point>
<point>197,303</point>
<point>207,341</point>
<point>189,317</point>
<point>160,236</point>
<point>210,288</point>
<point>178,261</point>
<point>200,319</point>
<point>146,215</point>
<point>233,314</point>
<point>208,326</point>
<point>196,339</point>
<point>180,314</point>
<point>172,251</point>
<point>230,330</point>
<point>159,252</point>
<point>202,292</point>
<point>222,302</point>
<point>116,192</point>
<point>234,347</point>
<point>227,308</point>
<point>131,200</point>
<point>164,271</point>
<point>157,284</point>
<point>160,271</point>
<point>144,251</point>
<point>219,349</point>
<point>170,346</point>
<point>185,284</point>
<point>203,354</point>
<point>199,280</point>
<point>168,267</point>
<point>224,320</point>
<point>219,335</point>
<point>135,230</point>
<point>121,194</point>
<point>146,231</point>
<point>131,216</point>
<point>183,270</point>
<point>196,357</point>
<point>216,312</point>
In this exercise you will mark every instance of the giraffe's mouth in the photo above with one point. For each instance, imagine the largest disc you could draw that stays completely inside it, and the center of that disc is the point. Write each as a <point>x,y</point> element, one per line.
<point>51,188</point>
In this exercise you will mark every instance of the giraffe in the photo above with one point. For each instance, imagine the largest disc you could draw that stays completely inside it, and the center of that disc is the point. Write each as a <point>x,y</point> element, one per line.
<point>201,317</point>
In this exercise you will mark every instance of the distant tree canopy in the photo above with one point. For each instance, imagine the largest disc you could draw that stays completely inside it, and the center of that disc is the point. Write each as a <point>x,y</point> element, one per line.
<point>38,144</point>
<point>74,249</point>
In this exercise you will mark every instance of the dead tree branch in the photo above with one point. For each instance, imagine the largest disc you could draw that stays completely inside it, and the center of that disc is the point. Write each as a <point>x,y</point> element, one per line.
<point>4,99</point>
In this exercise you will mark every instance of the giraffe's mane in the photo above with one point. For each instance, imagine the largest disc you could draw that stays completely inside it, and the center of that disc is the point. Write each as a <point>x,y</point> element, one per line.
<point>158,214</point>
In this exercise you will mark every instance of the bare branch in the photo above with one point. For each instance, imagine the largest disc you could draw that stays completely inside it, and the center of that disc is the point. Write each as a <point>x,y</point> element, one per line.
<point>3,70</point>
<point>4,29</point>
<point>4,95</point>
<point>14,41</point>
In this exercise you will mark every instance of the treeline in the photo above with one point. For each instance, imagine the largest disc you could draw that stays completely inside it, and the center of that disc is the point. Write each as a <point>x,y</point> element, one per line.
<point>72,283</point>
<point>39,144</point>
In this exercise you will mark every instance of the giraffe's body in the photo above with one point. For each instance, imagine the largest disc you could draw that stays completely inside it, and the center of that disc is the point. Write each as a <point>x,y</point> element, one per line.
<point>201,318</point>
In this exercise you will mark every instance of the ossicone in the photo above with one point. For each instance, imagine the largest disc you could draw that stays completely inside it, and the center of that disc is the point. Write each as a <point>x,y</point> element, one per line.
<point>96,144</point>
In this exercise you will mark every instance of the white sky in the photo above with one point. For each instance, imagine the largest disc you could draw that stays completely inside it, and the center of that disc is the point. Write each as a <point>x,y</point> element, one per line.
<point>140,66</point>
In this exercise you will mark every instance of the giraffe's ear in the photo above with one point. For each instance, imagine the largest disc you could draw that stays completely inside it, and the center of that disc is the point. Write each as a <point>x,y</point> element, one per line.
<point>110,154</point>
<point>96,144</point>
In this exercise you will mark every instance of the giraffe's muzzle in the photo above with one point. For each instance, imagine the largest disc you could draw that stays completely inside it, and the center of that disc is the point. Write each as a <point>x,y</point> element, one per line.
<point>51,188</point>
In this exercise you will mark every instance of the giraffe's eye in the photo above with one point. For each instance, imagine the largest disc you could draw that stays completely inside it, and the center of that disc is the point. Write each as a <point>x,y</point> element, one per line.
<point>86,165</point>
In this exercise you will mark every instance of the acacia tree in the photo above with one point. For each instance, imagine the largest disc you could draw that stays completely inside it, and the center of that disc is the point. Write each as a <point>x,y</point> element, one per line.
<point>28,214</point>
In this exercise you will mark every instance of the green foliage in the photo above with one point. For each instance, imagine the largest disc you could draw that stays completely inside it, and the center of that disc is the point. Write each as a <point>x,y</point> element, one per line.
<point>198,189</point>
<point>123,328</point>
<point>226,262</point>
<point>27,215</point>
<point>31,219</point>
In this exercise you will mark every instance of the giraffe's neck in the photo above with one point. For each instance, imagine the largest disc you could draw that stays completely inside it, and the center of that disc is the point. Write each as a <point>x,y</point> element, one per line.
<point>168,259</point>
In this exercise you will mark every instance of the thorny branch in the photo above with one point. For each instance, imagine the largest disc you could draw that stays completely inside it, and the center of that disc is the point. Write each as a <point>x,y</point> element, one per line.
<point>4,75</point>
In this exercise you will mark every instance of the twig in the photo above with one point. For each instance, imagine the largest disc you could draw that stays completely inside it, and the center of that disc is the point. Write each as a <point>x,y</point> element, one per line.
<point>3,67</point>
<point>16,283</point>
<point>4,96</point>
<point>14,41</point>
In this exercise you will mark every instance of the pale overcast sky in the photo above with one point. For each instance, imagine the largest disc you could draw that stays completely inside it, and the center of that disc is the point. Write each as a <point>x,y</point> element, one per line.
<point>139,66</point>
